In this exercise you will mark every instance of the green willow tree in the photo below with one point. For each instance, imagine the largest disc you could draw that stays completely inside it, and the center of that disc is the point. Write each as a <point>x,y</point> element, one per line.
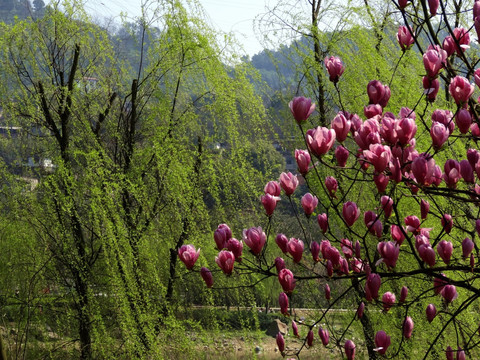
<point>145,159</point>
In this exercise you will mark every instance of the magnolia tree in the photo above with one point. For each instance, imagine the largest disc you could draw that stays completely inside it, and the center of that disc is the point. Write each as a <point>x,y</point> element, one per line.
<point>395,193</point>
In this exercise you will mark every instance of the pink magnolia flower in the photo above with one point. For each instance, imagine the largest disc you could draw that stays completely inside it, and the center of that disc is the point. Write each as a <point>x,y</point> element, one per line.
<point>295,329</point>
<point>476,9</point>
<point>436,179</point>
<point>387,205</point>
<point>389,252</point>
<point>295,248</point>
<point>360,310</point>
<point>373,224</point>
<point>357,265</point>
<point>388,300</point>
<point>460,89</point>
<point>379,155</point>
<point>413,223</point>
<point>372,111</point>
<point>341,154</point>
<point>324,245</point>
<point>423,168</point>
<point>424,208</point>
<point>463,120</point>
<point>221,235</point>
<point>431,87</point>
<point>463,38</point>
<point>355,121</point>
<point>207,276</point>
<point>315,250</point>
<point>357,249</point>
<point>225,261</point>
<point>422,239</point>
<point>433,6</point>
<point>408,327</point>
<point>406,112</point>
<point>323,222</point>
<point>301,108</point>
<point>378,93</point>
<point>327,291</point>
<point>288,182</point>
<point>396,170</point>
<point>236,247</point>
<point>447,223</point>
<point>382,342</point>
<point>320,140</point>
<point>349,350</point>
<point>269,203</point>
<point>310,338</point>
<point>397,234</point>
<point>286,280</point>
<point>452,173</point>
<point>334,67</point>
<point>344,268</point>
<point>402,4</point>
<point>427,254</point>
<point>350,212</point>
<point>476,74</point>
<point>444,117</point>
<point>279,264</point>
<point>445,250</point>
<point>434,60</point>
<point>387,130</point>
<point>347,248</point>
<point>368,134</point>
<point>332,254</point>
<point>449,351</point>
<point>466,172</point>
<point>405,38</point>
<point>449,45</point>
<point>283,302</point>
<point>476,24</point>
<point>324,335</point>
<point>372,286</point>
<point>473,156</point>
<point>405,130</point>
<point>303,161</point>
<point>331,184</point>
<point>467,247</point>
<point>381,182</point>
<point>439,134</point>
<point>282,242</point>
<point>341,126</point>
<point>280,342</point>
<point>255,239</point>
<point>329,267</point>
<point>477,171</point>
<point>431,312</point>
<point>273,188</point>
<point>460,354</point>
<point>403,294</point>
<point>477,226</point>
<point>449,293</point>
<point>188,255</point>
<point>309,203</point>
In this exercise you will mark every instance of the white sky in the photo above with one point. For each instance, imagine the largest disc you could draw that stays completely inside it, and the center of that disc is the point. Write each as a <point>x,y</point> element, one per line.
<point>227,15</point>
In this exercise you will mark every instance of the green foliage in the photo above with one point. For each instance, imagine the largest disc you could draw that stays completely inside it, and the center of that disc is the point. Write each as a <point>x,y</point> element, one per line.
<point>137,170</point>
